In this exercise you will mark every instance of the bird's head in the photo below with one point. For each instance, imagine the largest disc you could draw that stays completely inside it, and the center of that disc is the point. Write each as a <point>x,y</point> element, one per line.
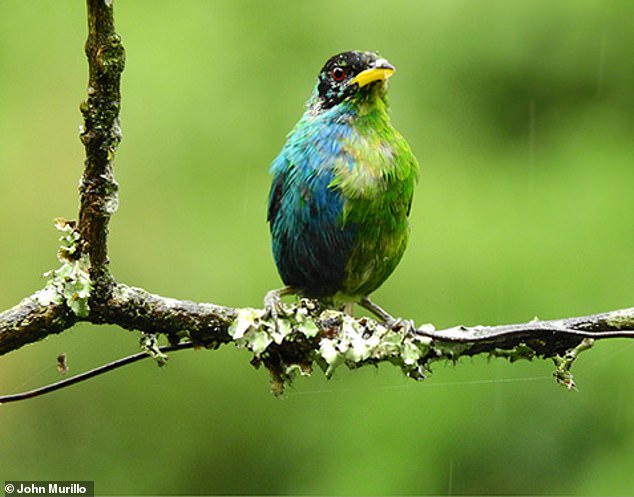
<point>351,75</point>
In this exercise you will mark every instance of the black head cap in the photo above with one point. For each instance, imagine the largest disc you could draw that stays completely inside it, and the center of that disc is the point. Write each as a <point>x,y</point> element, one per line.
<point>339,78</point>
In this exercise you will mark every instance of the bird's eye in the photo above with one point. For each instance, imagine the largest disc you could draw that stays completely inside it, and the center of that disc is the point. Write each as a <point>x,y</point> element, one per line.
<point>338,74</point>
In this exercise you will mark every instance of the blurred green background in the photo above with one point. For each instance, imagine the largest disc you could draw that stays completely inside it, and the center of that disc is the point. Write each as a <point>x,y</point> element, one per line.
<point>522,116</point>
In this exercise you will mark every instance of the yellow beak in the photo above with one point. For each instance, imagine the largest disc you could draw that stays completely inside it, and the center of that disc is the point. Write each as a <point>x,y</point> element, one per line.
<point>381,71</point>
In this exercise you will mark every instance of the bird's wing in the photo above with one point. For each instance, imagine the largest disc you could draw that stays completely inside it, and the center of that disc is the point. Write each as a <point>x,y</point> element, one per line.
<point>280,169</point>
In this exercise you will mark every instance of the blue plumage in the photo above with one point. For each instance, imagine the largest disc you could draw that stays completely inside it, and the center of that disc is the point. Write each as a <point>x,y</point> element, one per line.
<point>310,244</point>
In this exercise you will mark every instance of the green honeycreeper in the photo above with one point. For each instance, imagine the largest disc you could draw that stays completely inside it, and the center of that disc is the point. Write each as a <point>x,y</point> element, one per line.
<point>342,189</point>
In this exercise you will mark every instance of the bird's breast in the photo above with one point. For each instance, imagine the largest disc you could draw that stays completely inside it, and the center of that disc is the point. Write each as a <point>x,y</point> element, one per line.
<point>342,189</point>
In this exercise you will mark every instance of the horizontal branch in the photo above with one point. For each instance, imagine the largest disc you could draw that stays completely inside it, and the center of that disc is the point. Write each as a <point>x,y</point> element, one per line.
<point>47,312</point>
<point>307,334</point>
<point>33,319</point>
<point>614,324</point>
<point>136,309</point>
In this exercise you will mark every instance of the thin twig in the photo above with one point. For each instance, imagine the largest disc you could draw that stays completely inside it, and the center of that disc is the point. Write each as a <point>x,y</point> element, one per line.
<point>37,392</point>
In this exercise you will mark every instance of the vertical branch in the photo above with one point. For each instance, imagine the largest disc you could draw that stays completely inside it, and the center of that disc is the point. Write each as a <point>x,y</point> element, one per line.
<point>100,135</point>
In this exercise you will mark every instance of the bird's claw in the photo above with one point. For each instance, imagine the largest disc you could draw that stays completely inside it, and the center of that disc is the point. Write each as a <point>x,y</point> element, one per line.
<point>390,321</point>
<point>407,325</point>
<point>272,305</point>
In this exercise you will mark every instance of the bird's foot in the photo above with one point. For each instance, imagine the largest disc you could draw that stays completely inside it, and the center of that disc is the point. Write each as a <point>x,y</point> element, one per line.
<point>406,325</point>
<point>378,311</point>
<point>389,320</point>
<point>273,302</point>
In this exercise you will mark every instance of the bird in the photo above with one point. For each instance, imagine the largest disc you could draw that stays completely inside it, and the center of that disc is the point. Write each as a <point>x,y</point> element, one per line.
<point>341,190</point>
